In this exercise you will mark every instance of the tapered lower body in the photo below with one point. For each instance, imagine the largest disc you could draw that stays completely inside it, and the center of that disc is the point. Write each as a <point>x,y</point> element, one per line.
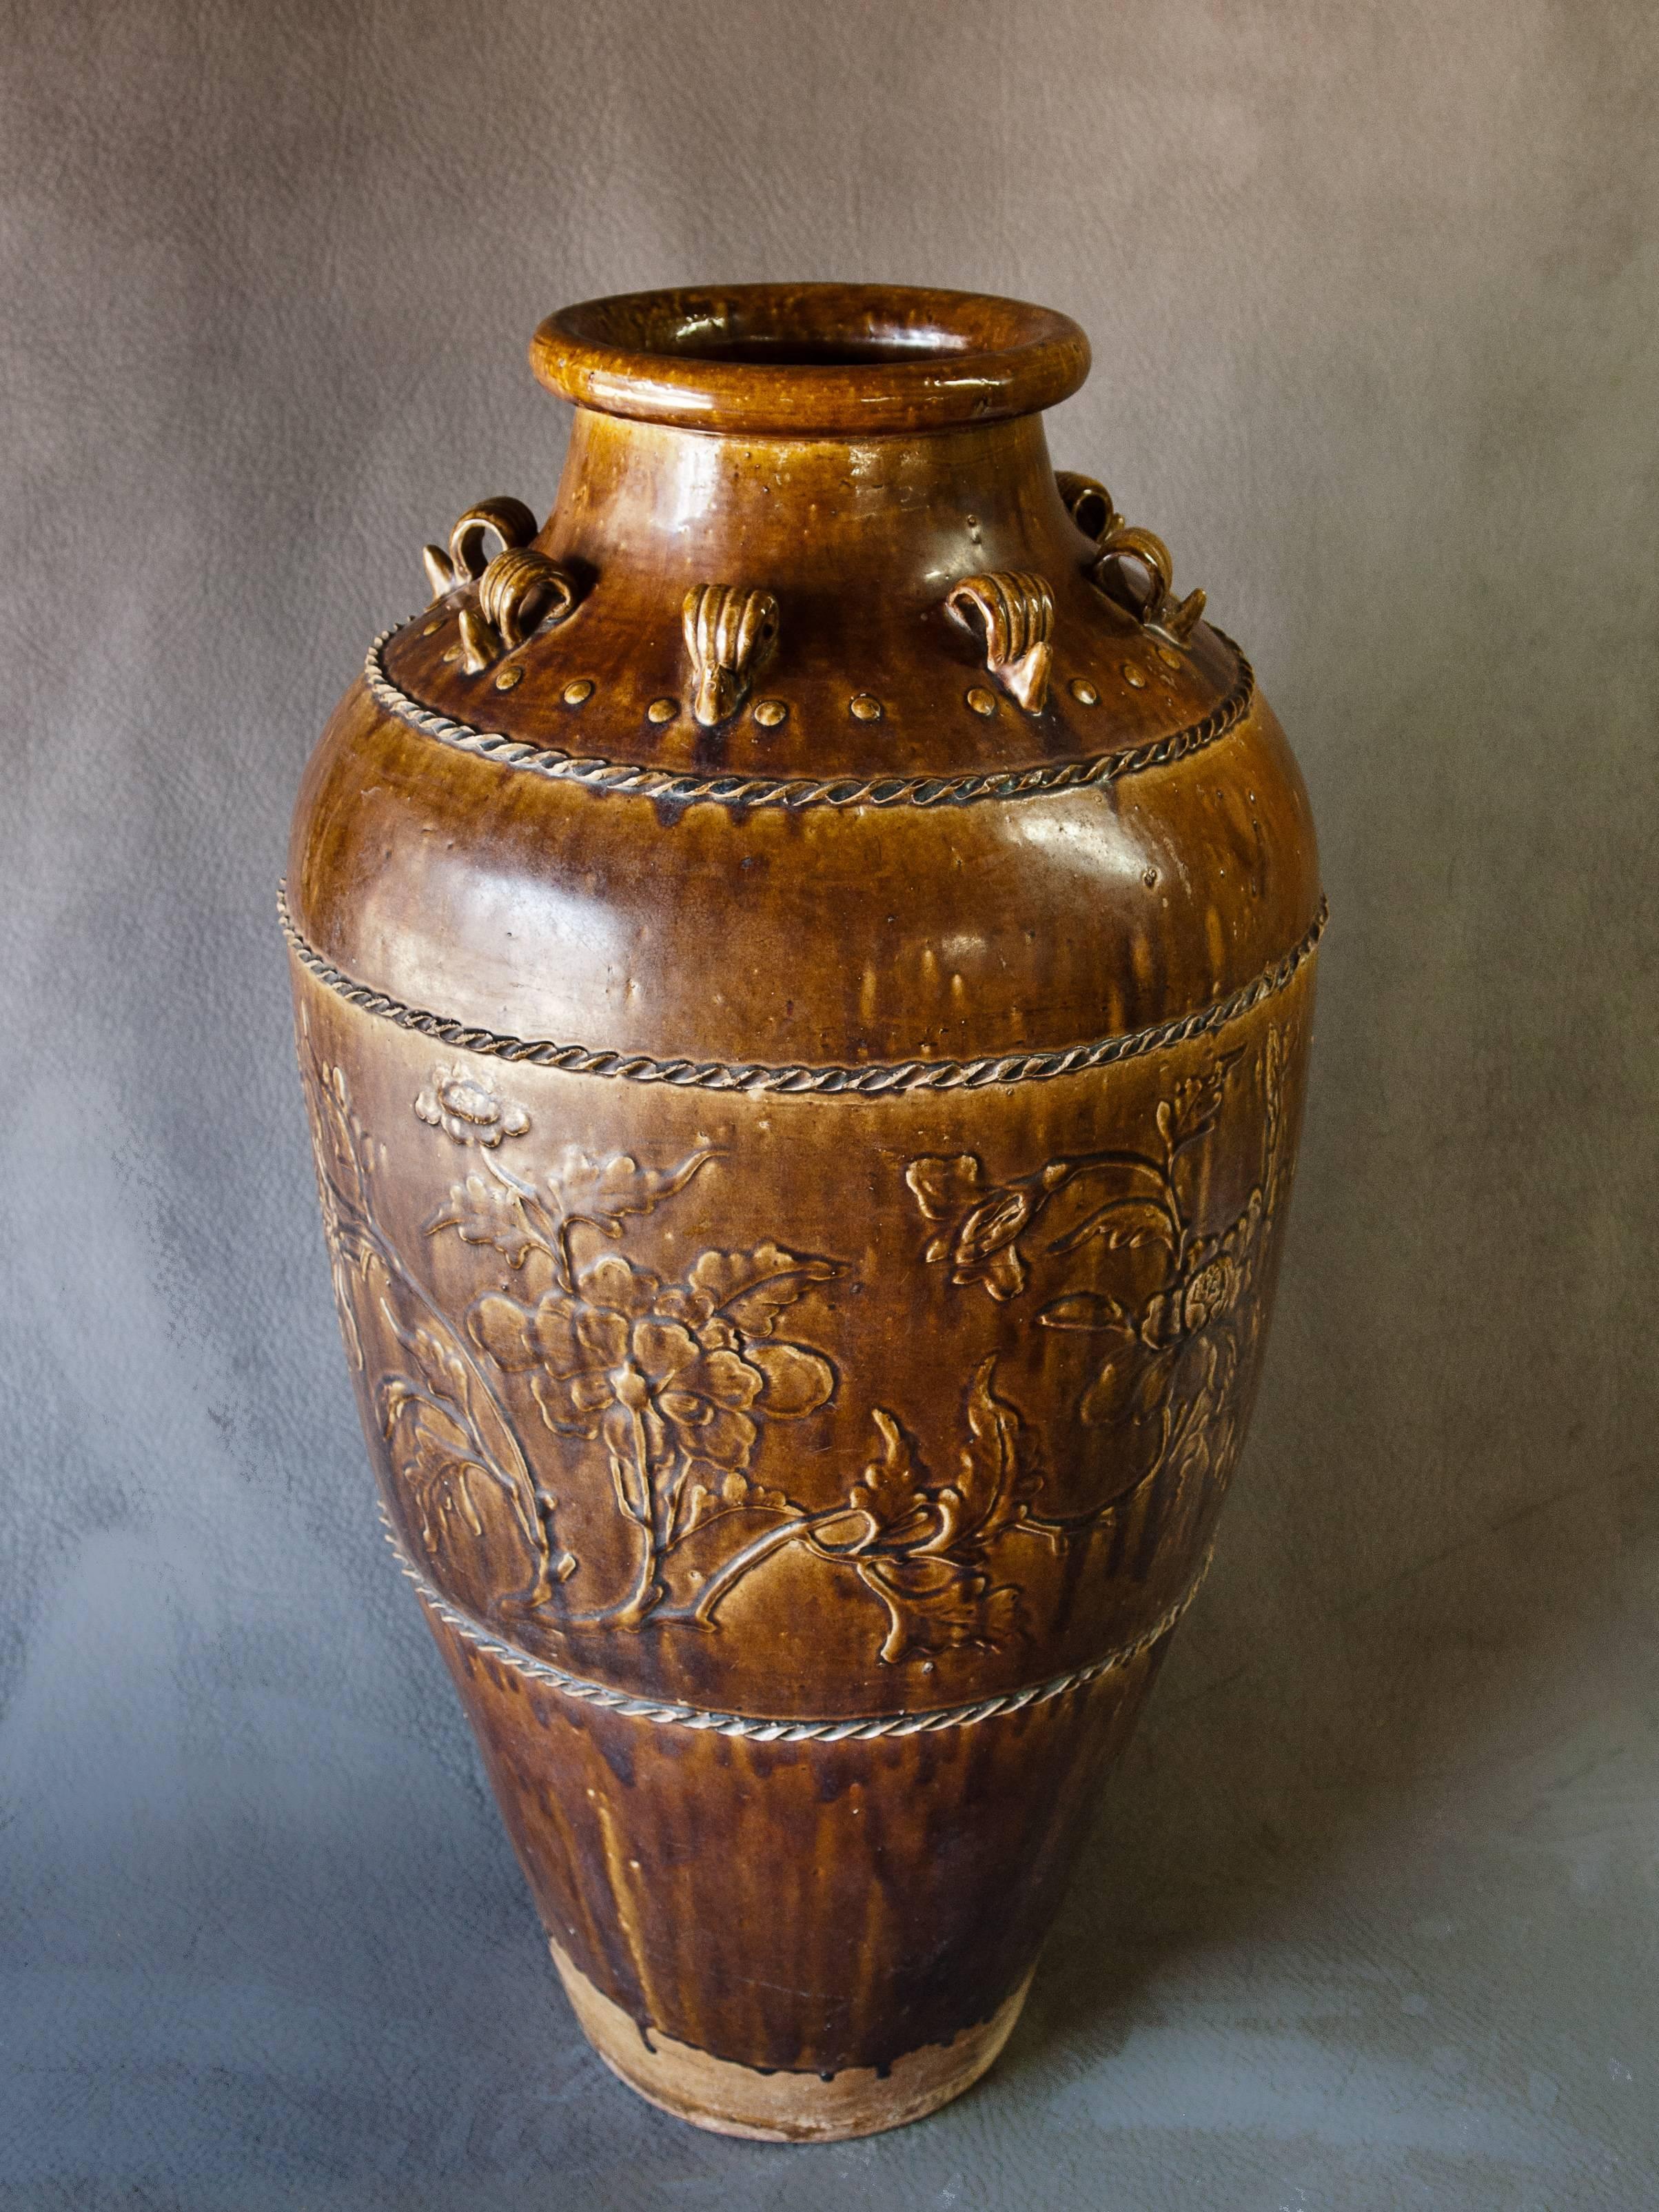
<point>856,1951</point>
<point>803,1492</point>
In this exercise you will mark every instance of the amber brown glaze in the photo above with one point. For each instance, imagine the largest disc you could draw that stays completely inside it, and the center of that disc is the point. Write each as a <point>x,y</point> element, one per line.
<point>804,976</point>
<point>795,1942</point>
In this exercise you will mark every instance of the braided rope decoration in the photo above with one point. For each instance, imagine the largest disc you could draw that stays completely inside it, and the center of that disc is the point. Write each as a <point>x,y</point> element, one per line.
<point>795,792</point>
<point>879,1079</point>
<point>663,1713</point>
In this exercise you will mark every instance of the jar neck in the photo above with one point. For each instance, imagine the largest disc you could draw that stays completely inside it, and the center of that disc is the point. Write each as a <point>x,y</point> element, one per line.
<point>894,520</point>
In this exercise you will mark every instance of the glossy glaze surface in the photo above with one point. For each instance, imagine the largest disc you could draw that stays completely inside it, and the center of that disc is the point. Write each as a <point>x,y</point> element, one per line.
<point>805,970</point>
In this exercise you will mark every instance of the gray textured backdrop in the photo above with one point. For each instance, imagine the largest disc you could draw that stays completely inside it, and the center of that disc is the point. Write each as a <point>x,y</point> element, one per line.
<point>1369,1921</point>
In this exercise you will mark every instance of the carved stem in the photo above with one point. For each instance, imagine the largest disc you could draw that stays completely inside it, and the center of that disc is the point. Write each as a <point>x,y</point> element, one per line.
<point>700,1613</point>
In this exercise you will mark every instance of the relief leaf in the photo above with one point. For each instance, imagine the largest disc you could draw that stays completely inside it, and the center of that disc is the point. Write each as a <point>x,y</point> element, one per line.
<point>798,1381</point>
<point>934,1604</point>
<point>429,1440</point>
<point>998,1476</point>
<point>890,1490</point>
<point>750,1289</point>
<point>482,1211</point>
<point>603,1192</point>
<point>1124,1224</point>
<point>711,1491</point>
<point>1195,1107</point>
<point>1084,1310</point>
<point>1003,1273</point>
<point>506,1331</point>
<point>1130,1385</point>
<point>438,1360</point>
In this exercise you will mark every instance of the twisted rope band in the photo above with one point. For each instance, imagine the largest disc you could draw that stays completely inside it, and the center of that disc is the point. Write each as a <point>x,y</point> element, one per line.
<point>879,1079</point>
<point>665,1714</point>
<point>793,791</point>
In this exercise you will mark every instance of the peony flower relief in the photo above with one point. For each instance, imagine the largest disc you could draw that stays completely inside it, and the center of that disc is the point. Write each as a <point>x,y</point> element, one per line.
<point>676,1383</point>
<point>1180,1344</point>
<point>457,1463</point>
<point>1210,1283</point>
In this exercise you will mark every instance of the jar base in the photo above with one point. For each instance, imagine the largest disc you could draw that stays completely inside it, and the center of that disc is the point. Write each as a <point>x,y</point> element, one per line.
<point>731,2099</point>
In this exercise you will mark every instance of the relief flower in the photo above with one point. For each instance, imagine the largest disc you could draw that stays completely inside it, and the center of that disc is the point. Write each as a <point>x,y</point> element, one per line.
<point>1210,1283</point>
<point>676,1389</point>
<point>1180,1343</point>
<point>482,1210</point>
<point>466,1103</point>
<point>457,1463</point>
<point>607,1349</point>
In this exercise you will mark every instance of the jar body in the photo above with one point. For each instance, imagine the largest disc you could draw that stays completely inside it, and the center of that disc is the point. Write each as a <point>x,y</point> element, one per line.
<point>805,1260</point>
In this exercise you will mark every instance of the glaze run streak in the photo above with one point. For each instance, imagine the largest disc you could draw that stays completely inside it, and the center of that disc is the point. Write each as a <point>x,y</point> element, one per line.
<point>804,1440</point>
<point>875,1081</point>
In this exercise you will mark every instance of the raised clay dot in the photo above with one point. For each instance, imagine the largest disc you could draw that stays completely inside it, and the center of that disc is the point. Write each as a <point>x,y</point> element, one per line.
<point>864,708</point>
<point>453,653</point>
<point>1169,656</point>
<point>432,629</point>
<point>509,679</point>
<point>1135,674</point>
<point>769,713</point>
<point>980,700</point>
<point>1085,692</point>
<point>662,710</point>
<point>577,694</point>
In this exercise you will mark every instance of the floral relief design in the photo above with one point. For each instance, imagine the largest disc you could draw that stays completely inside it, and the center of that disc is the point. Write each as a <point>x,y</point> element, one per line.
<point>924,1548</point>
<point>1177,1353</point>
<point>669,1388</point>
<point>666,1392</point>
<point>676,1384</point>
<point>469,1107</point>
<point>454,1451</point>
<point>986,1223</point>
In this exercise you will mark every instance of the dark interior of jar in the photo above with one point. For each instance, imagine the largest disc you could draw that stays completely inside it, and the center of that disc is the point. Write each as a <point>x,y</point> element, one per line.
<point>777,349</point>
<point>808,326</point>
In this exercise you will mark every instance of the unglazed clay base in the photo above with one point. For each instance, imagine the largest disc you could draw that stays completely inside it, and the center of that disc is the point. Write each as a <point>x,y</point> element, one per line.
<point>781,2107</point>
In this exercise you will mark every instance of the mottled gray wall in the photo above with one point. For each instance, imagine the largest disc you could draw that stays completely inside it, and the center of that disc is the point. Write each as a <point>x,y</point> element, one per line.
<point>1370,1920</point>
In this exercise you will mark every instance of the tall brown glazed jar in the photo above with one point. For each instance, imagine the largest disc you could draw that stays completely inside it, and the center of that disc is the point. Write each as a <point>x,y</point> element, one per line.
<point>804,965</point>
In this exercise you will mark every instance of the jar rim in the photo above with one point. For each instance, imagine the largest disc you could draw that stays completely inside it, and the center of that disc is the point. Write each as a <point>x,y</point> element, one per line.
<point>806,360</point>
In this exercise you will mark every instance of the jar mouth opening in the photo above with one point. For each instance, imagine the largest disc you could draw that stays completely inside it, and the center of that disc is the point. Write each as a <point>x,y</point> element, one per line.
<point>811,359</point>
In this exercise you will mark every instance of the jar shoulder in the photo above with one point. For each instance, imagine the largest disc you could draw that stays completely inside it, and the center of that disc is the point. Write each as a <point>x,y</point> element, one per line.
<point>499,893</point>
